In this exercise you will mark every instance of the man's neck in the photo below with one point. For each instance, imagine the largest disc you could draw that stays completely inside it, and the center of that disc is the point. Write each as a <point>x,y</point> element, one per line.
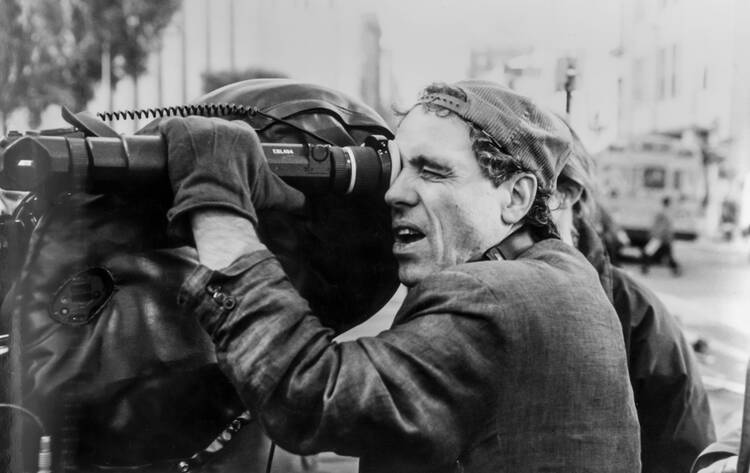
<point>513,245</point>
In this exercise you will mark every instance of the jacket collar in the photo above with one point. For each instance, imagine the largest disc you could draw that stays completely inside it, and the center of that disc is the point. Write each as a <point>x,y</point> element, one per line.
<point>590,244</point>
<point>513,245</point>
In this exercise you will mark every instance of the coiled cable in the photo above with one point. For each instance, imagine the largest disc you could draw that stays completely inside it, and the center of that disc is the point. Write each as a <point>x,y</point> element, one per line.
<point>201,109</point>
<point>219,110</point>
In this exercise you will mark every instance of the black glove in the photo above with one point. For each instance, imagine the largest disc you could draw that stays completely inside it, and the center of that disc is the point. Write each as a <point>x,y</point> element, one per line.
<point>215,163</point>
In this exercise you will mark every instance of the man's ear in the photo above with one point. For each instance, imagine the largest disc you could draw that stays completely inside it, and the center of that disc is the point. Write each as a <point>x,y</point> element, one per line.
<point>567,194</point>
<point>522,189</point>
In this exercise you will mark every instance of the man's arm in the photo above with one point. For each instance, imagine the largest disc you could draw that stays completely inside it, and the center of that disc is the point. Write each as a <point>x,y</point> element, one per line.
<point>412,391</point>
<point>222,236</point>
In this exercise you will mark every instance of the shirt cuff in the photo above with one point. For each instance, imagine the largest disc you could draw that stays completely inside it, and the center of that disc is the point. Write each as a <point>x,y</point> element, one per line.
<point>203,293</point>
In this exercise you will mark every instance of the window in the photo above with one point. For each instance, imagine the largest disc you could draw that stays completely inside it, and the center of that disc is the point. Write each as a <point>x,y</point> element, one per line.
<point>638,79</point>
<point>677,179</point>
<point>661,74</point>
<point>654,177</point>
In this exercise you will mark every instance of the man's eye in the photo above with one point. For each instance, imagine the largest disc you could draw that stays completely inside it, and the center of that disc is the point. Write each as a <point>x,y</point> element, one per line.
<point>431,173</point>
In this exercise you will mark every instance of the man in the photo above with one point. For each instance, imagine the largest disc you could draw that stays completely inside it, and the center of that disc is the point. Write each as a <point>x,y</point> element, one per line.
<point>672,403</point>
<point>505,355</point>
<point>659,246</point>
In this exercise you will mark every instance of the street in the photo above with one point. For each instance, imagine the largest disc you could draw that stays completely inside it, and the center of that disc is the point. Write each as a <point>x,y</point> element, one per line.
<point>711,299</point>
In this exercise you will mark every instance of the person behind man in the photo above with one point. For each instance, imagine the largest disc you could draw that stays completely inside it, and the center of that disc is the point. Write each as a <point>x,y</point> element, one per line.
<point>505,355</point>
<point>659,247</point>
<point>672,404</point>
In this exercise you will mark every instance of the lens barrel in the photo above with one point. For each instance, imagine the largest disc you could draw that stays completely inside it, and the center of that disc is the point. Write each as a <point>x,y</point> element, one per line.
<point>98,162</point>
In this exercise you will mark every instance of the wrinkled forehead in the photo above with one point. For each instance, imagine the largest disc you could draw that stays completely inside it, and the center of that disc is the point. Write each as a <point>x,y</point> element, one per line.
<point>421,126</point>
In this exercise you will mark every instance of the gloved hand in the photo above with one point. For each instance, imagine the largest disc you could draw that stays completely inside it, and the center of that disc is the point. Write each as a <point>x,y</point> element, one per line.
<point>215,163</point>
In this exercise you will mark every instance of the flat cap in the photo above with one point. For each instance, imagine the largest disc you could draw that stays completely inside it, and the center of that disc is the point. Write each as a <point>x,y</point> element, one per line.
<point>523,129</point>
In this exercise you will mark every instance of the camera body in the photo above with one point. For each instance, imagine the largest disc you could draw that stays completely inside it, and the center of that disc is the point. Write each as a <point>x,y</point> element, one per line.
<point>124,368</point>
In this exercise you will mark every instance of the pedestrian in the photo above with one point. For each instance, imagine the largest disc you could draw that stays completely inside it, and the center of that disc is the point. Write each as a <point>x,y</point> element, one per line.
<point>659,246</point>
<point>505,355</point>
<point>672,403</point>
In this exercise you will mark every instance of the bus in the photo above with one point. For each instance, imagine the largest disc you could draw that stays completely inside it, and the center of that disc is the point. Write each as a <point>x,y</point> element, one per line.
<point>635,178</point>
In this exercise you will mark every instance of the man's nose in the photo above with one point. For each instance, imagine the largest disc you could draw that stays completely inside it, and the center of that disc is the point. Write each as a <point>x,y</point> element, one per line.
<point>401,191</point>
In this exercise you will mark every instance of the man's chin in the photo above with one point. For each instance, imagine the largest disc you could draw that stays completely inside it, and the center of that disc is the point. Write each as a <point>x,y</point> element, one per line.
<point>411,274</point>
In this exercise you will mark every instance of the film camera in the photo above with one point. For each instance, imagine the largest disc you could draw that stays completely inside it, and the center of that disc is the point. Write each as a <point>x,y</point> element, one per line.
<point>98,277</point>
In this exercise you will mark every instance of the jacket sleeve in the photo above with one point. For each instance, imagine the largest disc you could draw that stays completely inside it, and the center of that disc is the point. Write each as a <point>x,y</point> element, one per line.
<point>412,391</point>
<point>672,403</point>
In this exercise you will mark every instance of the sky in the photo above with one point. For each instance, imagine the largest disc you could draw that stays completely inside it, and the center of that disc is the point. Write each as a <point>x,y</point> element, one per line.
<point>430,39</point>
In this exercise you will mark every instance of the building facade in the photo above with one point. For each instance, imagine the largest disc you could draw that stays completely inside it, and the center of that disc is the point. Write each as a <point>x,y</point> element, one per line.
<point>684,74</point>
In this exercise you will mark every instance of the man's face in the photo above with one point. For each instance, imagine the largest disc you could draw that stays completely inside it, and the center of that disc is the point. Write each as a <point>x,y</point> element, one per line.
<point>444,211</point>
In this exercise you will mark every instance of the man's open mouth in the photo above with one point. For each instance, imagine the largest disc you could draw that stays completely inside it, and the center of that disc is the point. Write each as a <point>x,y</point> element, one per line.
<point>406,235</point>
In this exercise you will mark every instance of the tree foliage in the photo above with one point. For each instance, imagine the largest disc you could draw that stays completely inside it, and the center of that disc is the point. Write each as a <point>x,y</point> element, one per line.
<point>33,59</point>
<point>52,49</point>
<point>14,57</point>
<point>131,29</point>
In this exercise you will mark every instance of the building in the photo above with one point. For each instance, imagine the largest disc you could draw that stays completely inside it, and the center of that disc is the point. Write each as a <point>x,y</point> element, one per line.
<point>684,73</point>
<point>589,75</point>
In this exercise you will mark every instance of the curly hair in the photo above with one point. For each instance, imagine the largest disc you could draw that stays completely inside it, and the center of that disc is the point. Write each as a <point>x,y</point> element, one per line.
<point>496,163</point>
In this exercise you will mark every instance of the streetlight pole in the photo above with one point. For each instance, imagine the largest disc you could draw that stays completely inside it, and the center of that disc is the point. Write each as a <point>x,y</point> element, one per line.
<point>570,79</point>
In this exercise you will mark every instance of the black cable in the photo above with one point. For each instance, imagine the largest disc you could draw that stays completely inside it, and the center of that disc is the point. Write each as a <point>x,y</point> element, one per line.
<point>28,413</point>
<point>270,457</point>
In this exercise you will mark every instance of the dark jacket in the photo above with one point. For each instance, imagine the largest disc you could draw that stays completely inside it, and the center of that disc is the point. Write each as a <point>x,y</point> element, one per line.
<point>672,403</point>
<point>490,366</point>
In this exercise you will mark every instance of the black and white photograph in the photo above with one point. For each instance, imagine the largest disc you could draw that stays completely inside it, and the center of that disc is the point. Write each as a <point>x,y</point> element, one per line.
<point>374,236</point>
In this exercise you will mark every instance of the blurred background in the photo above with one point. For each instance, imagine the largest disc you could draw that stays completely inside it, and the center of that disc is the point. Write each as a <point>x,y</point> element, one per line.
<point>644,82</point>
<point>658,90</point>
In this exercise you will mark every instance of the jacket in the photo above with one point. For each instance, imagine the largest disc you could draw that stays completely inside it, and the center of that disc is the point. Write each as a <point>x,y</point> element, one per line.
<point>672,403</point>
<point>490,366</point>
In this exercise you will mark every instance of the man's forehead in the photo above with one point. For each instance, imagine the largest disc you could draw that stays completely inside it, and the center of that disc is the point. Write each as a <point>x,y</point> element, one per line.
<point>420,121</point>
<point>439,142</point>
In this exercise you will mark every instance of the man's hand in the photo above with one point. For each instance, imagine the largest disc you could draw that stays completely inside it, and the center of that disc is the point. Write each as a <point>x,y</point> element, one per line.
<point>725,465</point>
<point>218,164</point>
